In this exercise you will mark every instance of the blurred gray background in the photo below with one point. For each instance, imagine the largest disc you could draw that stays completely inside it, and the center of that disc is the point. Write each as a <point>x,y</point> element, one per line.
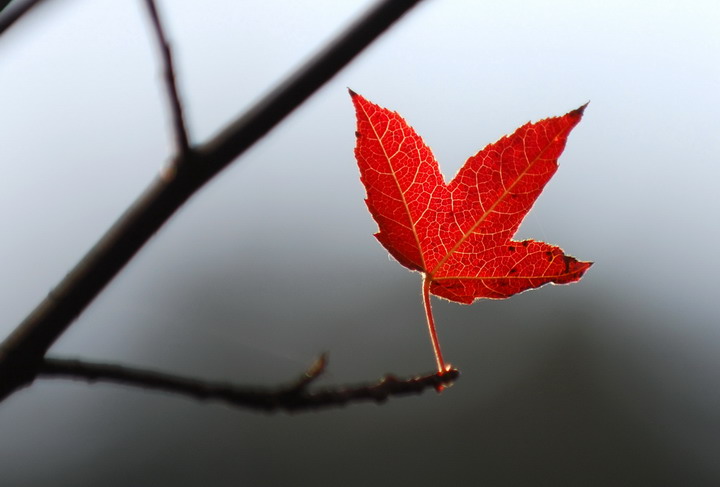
<point>612,381</point>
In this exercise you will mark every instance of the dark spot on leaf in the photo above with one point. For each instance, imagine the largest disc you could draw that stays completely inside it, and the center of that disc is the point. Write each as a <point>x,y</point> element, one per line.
<point>511,248</point>
<point>357,134</point>
<point>513,270</point>
<point>525,243</point>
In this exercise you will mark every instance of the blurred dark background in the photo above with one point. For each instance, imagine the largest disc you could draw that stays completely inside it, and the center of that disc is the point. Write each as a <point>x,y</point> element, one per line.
<point>612,381</point>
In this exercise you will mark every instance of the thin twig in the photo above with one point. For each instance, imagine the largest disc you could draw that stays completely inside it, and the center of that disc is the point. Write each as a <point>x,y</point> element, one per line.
<point>13,13</point>
<point>293,397</point>
<point>313,372</point>
<point>22,352</point>
<point>178,120</point>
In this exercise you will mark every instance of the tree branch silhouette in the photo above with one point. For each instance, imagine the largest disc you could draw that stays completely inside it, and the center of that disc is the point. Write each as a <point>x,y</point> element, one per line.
<point>11,12</point>
<point>176,109</point>
<point>22,353</point>
<point>295,396</point>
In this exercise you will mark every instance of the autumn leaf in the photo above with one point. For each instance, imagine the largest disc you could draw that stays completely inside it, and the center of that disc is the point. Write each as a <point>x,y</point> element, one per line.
<point>459,235</point>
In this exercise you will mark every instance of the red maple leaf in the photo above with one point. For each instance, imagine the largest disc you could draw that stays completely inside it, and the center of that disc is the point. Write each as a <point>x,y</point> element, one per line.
<point>459,235</point>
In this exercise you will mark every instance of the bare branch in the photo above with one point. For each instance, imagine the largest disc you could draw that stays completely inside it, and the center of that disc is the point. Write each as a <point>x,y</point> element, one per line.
<point>293,91</point>
<point>178,120</point>
<point>293,397</point>
<point>11,14</point>
<point>22,352</point>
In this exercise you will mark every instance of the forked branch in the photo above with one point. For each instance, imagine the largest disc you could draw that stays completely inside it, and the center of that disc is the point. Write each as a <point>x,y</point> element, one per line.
<point>22,354</point>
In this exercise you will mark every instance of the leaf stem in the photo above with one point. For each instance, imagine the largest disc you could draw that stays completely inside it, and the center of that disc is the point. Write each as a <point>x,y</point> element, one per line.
<point>442,368</point>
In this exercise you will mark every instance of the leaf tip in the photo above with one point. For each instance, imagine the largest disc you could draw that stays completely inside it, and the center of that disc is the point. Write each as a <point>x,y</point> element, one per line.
<point>583,267</point>
<point>352,93</point>
<point>579,111</point>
